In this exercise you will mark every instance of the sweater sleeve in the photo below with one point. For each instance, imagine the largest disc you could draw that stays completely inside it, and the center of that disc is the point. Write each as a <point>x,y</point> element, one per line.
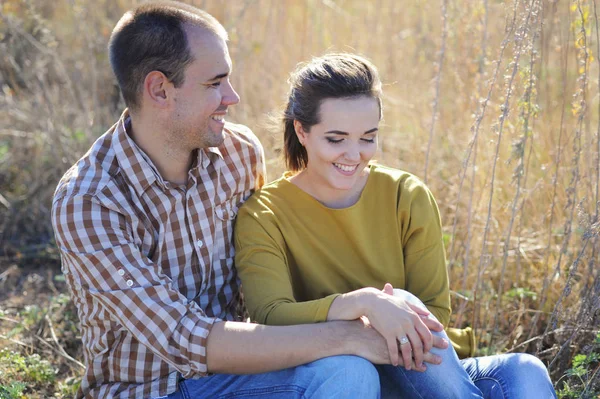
<point>262,265</point>
<point>424,255</point>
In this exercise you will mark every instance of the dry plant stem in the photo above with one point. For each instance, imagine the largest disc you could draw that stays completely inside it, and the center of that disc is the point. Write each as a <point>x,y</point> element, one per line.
<point>563,294</point>
<point>557,163</point>
<point>572,189</point>
<point>518,277</point>
<point>598,129</point>
<point>504,108</point>
<point>60,351</point>
<point>472,148</point>
<point>463,305</point>
<point>519,170</point>
<point>59,346</point>
<point>438,79</point>
<point>591,380</point>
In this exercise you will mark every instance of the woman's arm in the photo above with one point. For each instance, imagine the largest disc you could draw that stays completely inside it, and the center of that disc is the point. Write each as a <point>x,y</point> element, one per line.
<point>425,269</point>
<point>263,270</point>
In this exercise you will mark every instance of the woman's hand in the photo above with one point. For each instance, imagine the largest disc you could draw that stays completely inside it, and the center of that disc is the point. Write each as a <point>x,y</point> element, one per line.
<point>393,318</point>
<point>366,342</point>
<point>405,326</point>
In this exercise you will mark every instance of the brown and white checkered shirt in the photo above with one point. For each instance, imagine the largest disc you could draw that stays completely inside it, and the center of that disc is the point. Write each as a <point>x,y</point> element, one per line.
<point>150,264</point>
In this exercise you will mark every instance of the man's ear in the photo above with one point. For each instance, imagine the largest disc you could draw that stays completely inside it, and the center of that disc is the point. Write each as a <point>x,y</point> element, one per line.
<point>157,89</point>
<point>300,133</point>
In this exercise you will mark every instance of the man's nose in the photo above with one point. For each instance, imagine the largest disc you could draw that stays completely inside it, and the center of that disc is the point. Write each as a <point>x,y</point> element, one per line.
<point>230,96</point>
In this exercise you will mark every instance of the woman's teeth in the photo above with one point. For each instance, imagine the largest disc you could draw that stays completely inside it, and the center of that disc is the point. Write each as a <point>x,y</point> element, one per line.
<point>219,118</point>
<point>344,167</point>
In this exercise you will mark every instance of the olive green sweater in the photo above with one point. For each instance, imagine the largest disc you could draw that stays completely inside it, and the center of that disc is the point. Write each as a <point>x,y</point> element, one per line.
<point>295,255</point>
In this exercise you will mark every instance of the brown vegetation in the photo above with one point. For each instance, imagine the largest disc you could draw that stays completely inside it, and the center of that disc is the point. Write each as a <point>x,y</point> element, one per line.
<point>495,104</point>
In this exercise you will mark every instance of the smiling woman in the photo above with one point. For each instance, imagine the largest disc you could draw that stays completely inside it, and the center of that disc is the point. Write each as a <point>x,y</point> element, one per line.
<point>339,147</point>
<point>321,242</point>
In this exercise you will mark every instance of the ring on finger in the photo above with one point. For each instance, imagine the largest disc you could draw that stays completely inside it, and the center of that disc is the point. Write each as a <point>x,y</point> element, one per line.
<point>404,340</point>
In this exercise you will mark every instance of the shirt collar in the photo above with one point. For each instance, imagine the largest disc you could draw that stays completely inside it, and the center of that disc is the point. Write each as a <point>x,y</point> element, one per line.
<point>138,167</point>
<point>133,162</point>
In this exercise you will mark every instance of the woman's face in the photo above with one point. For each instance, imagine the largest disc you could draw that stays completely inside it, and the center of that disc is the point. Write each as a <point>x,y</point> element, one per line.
<point>342,144</point>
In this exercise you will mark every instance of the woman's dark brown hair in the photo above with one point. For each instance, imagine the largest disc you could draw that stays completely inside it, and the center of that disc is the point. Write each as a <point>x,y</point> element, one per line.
<point>339,75</point>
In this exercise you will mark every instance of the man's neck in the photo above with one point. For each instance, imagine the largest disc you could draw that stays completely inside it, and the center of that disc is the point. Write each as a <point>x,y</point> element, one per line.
<point>172,162</point>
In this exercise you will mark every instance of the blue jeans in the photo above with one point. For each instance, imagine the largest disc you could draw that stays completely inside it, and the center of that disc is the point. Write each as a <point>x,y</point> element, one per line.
<point>512,376</point>
<point>331,377</point>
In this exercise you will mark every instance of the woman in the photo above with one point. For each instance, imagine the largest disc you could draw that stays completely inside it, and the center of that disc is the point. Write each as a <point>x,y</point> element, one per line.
<point>337,224</point>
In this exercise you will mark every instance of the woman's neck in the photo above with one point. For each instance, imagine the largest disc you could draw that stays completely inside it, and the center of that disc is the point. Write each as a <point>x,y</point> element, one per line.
<point>329,196</point>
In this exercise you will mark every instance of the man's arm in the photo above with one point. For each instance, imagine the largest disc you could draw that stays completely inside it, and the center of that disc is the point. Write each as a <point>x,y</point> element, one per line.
<point>243,348</point>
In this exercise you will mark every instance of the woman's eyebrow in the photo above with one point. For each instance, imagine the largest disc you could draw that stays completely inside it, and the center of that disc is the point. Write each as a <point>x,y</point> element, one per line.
<point>346,133</point>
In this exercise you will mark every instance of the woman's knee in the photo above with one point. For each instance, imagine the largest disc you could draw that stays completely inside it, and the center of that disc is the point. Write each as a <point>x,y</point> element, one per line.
<point>354,374</point>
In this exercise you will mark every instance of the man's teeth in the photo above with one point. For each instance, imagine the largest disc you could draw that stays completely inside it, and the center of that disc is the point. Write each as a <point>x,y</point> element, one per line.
<point>345,168</point>
<point>219,118</point>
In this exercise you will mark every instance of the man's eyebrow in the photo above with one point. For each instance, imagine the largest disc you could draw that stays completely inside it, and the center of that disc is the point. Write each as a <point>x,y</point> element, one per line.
<point>346,133</point>
<point>219,76</point>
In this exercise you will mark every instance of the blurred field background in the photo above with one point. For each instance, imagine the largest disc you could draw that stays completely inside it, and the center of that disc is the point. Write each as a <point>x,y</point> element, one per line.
<point>495,104</point>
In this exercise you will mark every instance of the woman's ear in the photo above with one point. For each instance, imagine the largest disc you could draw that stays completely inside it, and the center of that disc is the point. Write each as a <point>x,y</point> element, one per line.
<point>300,133</point>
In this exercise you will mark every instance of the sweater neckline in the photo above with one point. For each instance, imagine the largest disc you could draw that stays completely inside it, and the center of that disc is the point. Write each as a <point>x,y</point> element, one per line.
<point>286,176</point>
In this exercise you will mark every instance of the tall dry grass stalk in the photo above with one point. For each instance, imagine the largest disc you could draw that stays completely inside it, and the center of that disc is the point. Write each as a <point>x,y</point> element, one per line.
<point>495,104</point>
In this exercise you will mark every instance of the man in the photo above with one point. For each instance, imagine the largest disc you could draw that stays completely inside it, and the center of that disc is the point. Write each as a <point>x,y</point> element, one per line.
<point>144,225</point>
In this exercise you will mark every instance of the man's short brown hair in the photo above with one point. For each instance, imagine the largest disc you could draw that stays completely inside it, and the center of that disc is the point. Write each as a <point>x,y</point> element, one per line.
<point>150,38</point>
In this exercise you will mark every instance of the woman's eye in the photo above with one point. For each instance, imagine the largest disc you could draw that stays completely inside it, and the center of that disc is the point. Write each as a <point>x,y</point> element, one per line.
<point>334,141</point>
<point>369,140</point>
<point>216,84</point>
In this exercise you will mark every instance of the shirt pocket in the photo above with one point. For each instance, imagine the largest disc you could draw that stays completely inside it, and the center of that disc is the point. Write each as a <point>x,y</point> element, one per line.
<point>228,210</point>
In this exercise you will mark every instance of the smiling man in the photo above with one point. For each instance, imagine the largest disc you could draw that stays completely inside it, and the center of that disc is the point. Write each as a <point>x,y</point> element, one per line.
<point>144,225</point>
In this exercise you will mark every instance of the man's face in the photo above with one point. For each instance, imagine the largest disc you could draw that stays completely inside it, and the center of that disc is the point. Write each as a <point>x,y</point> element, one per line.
<point>200,104</point>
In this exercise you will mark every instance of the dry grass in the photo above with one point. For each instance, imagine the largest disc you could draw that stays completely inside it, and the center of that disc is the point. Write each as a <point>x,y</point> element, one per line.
<point>495,104</point>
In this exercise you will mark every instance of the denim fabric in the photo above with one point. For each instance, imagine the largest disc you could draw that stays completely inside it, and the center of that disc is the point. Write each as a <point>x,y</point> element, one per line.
<point>329,378</point>
<point>510,376</point>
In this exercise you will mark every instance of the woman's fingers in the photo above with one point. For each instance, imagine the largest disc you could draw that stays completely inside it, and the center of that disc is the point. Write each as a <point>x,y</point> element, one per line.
<point>420,310</point>
<point>406,351</point>
<point>417,347</point>
<point>425,335</point>
<point>388,289</point>
<point>432,323</point>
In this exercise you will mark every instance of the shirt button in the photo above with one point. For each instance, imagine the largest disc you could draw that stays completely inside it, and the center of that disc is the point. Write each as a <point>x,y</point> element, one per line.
<point>200,243</point>
<point>129,283</point>
<point>121,272</point>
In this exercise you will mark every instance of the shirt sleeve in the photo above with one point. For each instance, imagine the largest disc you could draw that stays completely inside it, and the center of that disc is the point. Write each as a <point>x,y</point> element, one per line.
<point>426,275</point>
<point>266,281</point>
<point>110,271</point>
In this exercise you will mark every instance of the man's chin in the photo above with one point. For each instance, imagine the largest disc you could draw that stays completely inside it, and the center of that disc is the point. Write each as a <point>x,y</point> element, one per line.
<point>215,139</point>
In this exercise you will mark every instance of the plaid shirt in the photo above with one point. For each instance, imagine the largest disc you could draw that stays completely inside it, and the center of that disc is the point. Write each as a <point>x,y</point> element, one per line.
<point>149,264</point>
